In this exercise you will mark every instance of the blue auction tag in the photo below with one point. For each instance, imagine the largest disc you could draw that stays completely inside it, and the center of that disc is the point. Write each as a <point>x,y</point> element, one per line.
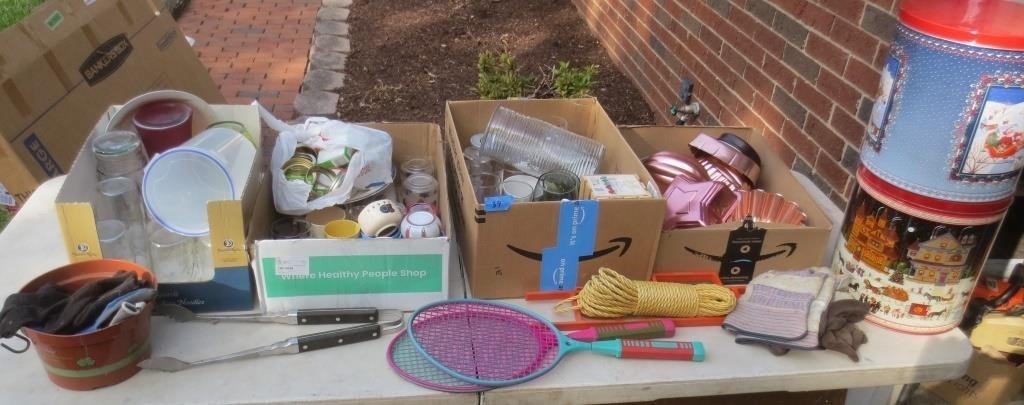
<point>498,203</point>
<point>577,233</point>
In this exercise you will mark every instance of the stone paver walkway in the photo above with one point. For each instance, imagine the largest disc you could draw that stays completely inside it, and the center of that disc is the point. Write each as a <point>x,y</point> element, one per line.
<point>254,49</point>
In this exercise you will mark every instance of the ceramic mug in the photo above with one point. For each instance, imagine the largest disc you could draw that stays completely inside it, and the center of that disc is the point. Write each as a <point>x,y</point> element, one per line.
<point>393,235</point>
<point>381,217</point>
<point>520,187</point>
<point>341,229</point>
<point>421,224</point>
<point>319,219</point>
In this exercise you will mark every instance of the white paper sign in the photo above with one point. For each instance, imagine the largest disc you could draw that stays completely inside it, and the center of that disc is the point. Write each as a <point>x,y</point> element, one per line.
<point>5,197</point>
<point>292,266</point>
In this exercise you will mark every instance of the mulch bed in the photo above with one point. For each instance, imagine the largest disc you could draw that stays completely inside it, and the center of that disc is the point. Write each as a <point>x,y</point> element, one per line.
<point>410,56</point>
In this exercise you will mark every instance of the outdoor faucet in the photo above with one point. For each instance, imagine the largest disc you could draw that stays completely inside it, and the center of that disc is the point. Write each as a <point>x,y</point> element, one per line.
<point>690,109</point>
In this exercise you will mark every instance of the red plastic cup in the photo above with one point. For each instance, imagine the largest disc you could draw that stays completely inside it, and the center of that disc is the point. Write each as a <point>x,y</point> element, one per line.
<point>163,125</point>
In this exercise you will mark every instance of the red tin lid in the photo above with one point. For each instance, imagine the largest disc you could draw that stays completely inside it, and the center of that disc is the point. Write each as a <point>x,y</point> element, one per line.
<point>984,23</point>
<point>933,209</point>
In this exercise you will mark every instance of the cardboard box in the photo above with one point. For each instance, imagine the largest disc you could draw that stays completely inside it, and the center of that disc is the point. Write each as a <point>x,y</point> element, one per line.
<point>737,253</point>
<point>536,246</point>
<point>231,288</point>
<point>65,63</point>
<point>385,273</point>
<point>990,379</point>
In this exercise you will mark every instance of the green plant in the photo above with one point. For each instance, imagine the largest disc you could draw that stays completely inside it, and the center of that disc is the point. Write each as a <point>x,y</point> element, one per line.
<point>5,217</point>
<point>572,82</point>
<point>12,11</point>
<point>498,76</point>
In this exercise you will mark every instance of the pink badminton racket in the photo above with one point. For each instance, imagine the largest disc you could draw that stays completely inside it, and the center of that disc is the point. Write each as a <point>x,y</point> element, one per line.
<point>495,344</point>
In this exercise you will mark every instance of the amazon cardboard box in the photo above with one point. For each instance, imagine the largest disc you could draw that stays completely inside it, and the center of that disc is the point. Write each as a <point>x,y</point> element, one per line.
<point>64,64</point>
<point>400,274</point>
<point>736,251</point>
<point>511,250</point>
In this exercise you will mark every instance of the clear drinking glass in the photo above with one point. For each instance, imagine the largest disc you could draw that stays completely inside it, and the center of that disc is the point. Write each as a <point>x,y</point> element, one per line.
<point>113,240</point>
<point>121,195</point>
<point>419,188</point>
<point>485,164</point>
<point>557,185</point>
<point>290,228</point>
<point>177,258</point>
<point>535,146</point>
<point>485,185</point>
<point>417,165</point>
<point>119,154</point>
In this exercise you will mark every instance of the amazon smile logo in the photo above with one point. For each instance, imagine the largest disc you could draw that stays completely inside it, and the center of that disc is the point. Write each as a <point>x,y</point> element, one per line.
<point>786,249</point>
<point>617,244</point>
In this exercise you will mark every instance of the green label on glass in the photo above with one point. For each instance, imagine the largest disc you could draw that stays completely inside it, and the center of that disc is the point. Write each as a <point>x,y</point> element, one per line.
<point>366,274</point>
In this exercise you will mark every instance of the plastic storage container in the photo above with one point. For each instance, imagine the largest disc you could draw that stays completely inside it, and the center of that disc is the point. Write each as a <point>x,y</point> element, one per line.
<point>178,183</point>
<point>536,147</point>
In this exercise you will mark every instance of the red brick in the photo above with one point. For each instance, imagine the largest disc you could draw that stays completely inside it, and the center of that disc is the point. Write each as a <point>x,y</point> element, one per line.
<point>761,83</point>
<point>826,53</point>
<point>798,140</point>
<point>846,96</point>
<point>771,115</point>
<point>744,90</point>
<point>885,4</point>
<point>727,118</point>
<point>829,170</point>
<point>779,72</point>
<point>847,126</point>
<point>733,58</point>
<point>812,99</point>
<point>780,147</point>
<point>863,76</point>
<point>849,10</point>
<point>730,101</point>
<point>809,13</point>
<point>881,55</point>
<point>854,39</point>
<point>712,40</point>
<point>772,42</point>
<point>825,137</point>
<point>709,103</point>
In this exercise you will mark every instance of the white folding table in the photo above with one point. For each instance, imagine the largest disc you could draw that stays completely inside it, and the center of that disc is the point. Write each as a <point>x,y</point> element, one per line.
<point>32,245</point>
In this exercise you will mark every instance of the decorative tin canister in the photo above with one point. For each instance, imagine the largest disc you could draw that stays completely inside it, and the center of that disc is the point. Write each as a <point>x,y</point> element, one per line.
<point>948,120</point>
<point>914,266</point>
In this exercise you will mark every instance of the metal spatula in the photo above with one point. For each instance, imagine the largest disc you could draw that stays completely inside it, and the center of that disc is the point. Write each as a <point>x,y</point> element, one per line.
<point>293,345</point>
<point>324,316</point>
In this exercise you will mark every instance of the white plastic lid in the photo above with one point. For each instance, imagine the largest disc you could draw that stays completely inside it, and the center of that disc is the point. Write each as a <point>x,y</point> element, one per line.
<point>178,184</point>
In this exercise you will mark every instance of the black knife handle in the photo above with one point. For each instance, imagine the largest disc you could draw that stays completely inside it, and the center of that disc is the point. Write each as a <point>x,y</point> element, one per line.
<point>337,315</point>
<point>332,338</point>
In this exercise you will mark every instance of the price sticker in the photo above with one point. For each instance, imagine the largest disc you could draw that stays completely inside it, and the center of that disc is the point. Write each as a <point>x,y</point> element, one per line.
<point>498,203</point>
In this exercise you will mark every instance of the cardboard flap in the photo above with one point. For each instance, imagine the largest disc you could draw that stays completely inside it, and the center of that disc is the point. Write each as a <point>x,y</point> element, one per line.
<point>79,230</point>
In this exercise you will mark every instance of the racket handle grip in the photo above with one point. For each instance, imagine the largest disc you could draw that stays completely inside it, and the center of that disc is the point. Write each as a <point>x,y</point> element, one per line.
<point>658,328</point>
<point>662,350</point>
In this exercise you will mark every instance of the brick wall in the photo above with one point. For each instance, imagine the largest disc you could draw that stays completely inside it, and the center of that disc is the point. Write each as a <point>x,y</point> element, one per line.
<point>803,70</point>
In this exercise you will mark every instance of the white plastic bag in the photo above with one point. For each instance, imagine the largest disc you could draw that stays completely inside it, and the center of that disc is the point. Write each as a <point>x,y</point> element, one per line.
<point>371,162</point>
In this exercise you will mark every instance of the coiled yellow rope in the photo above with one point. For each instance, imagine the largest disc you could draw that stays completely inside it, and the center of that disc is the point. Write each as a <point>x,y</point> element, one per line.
<point>611,295</point>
